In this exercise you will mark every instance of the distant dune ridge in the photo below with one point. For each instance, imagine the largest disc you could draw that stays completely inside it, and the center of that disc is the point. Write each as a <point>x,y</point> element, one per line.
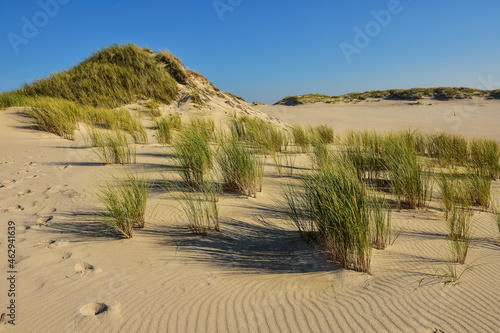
<point>443,93</point>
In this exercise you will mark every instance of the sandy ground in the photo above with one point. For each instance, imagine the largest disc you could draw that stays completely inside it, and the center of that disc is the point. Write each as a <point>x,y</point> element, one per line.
<point>256,276</point>
<point>471,117</point>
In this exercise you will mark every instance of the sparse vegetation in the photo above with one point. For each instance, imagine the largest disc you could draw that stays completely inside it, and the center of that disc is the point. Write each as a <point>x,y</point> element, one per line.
<point>241,169</point>
<point>200,204</point>
<point>459,231</point>
<point>324,133</point>
<point>410,181</point>
<point>125,203</point>
<point>393,94</point>
<point>380,213</point>
<point>113,147</point>
<point>300,138</point>
<point>194,155</point>
<point>163,130</point>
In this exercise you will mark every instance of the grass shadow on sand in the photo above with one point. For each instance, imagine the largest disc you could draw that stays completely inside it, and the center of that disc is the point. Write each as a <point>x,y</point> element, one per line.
<point>248,247</point>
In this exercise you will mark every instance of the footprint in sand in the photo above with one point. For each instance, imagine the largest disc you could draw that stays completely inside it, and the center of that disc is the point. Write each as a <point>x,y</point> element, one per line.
<point>44,221</point>
<point>22,228</point>
<point>29,177</point>
<point>84,268</point>
<point>24,193</point>
<point>14,208</point>
<point>21,172</point>
<point>7,184</point>
<point>53,244</point>
<point>93,309</point>
<point>30,164</point>
<point>67,255</point>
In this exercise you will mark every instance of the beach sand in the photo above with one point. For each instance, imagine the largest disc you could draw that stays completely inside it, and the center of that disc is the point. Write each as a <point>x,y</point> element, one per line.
<point>255,276</point>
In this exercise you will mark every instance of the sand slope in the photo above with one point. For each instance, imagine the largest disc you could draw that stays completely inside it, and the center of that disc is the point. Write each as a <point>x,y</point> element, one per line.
<point>258,276</point>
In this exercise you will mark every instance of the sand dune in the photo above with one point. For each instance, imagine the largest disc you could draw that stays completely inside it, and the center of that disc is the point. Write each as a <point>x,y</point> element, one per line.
<point>256,276</point>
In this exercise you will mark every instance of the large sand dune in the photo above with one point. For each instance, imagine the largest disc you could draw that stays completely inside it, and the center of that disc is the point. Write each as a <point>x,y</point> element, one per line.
<point>256,276</point>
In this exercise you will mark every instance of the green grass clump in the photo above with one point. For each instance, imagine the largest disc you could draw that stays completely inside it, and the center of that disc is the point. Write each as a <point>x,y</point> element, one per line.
<point>153,109</point>
<point>163,129</point>
<point>173,65</point>
<point>200,204</point>
<point>59,118</point>
<point>381,216</point>
<point>485,154</point>
<point>241,169</point>
<point>338,205</point>
<point>300,138</point>
<point>478,186</point>
<point>264,135</point>
<point>125,203</point>
<point>410,181</point>
<point>194,155</point>
<point>9,99</point>
<point>204,126</point>
<point>176,121</point>
<point>448,148</point>
<point>111,77</point>
<point>322,154</point>
<point>113,147</point>
<point>324,133</point>
<point>459,231</point>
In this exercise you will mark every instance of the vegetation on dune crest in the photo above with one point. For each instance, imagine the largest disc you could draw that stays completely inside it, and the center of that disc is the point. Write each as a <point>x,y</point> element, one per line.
<point>412,94</point>
<point>111,77</point>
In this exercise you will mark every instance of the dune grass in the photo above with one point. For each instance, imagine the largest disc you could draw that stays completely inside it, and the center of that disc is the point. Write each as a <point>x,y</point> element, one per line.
<point>200,204</point>
<point>485,154</point>
<point>173,65</point>
<point>111,77</point>
<point>321,155</point>
<point>411,183</point>
<point>324,133</point>
<point>125,200</point>
<point>60,120</point>
<point>176,121</point>
<point>284,163</point>
<point>448,148</point>
<point>459,231</point>
<point>267,137</point>
<point>113,147</point>
<point>205,126</point>
<point>194,155</point>
<point>338,206</point>
<point>380,213</point>
<point>241,168</point>
<point>163,130</point>
<point>153,109</point>
<point>300,138</point>
<point>10,99</point>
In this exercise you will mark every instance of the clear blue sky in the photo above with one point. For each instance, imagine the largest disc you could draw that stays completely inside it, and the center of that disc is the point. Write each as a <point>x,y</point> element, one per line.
<point>264,50</point>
